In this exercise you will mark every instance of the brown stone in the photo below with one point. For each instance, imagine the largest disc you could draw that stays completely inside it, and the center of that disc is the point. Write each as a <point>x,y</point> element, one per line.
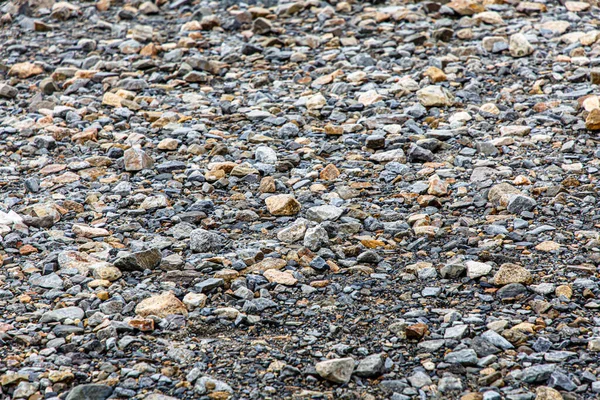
<point>416,331</point>
<point>283,204</point>
<point>136,159</point>
<point>267,185</point>
<point>592,121</point>
<point>89,232</point>
<point>564,290</point>
<point>437,186</point>
<point>435,74</point>
<point>329,173</point>
<point>547,393</point>
<point>466,7</point>
<point>161,305</point>
<point>27,249</point>
<point>548,246</point>
<point>265,265</point>
<point>25,70</point>
<point>512,273</point>
<point>280,277</point>
<point>142,324</point>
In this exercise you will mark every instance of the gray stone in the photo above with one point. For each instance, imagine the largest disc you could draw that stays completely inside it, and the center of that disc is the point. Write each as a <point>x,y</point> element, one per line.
<point>61,314</point>
<point>370,366</point>
<point>139,261</point>
<point>90,392</point>
<point>464,357</point>
<point>203,241</point>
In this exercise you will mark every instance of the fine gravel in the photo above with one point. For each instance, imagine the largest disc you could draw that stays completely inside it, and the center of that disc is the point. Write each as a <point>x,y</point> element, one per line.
<point>299,200</point>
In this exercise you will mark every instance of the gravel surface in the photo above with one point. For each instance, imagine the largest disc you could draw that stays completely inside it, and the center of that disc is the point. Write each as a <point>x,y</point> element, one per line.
<point>299,200</point>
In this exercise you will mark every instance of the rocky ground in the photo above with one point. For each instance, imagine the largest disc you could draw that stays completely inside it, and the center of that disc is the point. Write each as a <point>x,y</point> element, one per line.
<point>299,200</point>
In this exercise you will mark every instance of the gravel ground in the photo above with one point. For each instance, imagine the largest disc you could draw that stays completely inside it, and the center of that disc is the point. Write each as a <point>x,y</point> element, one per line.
<point>299,200</point>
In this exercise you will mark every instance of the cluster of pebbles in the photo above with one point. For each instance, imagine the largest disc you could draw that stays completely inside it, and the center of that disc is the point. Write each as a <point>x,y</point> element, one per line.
<point>299,199</point>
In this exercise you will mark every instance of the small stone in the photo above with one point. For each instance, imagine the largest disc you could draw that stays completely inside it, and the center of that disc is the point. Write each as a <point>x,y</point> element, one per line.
<point>435,74</point>
<point>416,331</point>
<point>564,290</point>
<point>267,185</point>
<point>419,379</point>
<point>89,232</point>
<point>168,144</point>
<point>293,232</point>
<point>369,97</point>
<point>316,102</point>
<point>107,272</point>
<point>517,203</point>
<point>464,357</point>
<point>437,187</point>
<point>195,300</point>
<point>466,7</point>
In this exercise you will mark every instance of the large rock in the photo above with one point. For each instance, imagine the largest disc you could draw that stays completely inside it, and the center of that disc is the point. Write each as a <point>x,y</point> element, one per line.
<point>512,273</point>
<point>61,314</point>
<point>282,204</point>
<point>519,46</point>
<point>499,194</point>
<point>140,260</point>
<point>136,159</point>
<point>161,305</point>
<point>338,370</point>
<point>293,232</point>
<point>371,366</point>
<point>90,391</point>
<point>25,70</point>
<point>435,96</point>
<point>477,269</point>
<point>203,241</point>
<point>466,7</point>
<point>518,203</point>
<point>80,261</point>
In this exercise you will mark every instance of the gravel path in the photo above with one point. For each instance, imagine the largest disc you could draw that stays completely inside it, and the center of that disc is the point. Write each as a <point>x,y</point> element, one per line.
<point>299,200</point>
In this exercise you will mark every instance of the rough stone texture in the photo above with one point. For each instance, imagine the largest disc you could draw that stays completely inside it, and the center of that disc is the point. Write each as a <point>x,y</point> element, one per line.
<point>282,204</point>
<point>161,306</point>
<point>412,185</point>
<point>338,370</point>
